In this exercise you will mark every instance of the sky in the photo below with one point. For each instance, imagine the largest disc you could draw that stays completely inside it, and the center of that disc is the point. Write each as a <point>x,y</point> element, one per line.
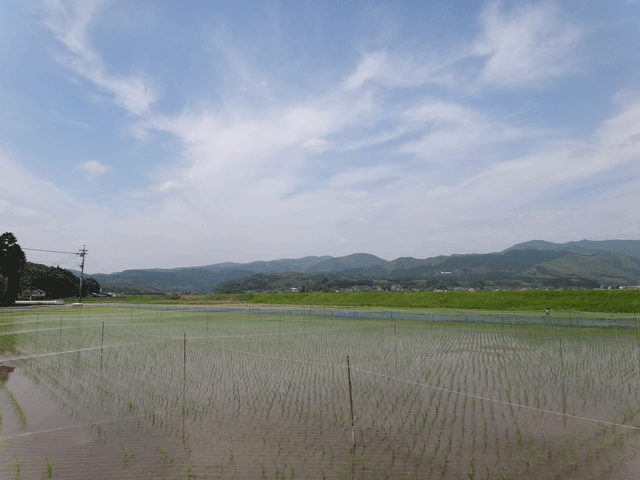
<point>166,134</point>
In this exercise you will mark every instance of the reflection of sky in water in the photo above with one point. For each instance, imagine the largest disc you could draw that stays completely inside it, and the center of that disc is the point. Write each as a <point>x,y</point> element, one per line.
<point>5,370</point>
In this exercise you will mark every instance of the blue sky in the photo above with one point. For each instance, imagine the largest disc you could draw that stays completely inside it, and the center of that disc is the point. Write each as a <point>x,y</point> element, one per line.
<point>166,134</point>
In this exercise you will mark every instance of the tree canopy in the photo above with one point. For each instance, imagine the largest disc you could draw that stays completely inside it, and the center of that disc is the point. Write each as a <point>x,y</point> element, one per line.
<point>12,261</point>
<point>55,281</point>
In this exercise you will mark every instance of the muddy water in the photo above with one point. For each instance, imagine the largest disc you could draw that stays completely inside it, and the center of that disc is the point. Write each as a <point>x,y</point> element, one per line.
<point>55,434</point>
<point>247,403</point>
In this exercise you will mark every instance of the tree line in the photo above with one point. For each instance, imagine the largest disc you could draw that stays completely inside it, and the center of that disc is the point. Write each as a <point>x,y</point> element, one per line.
<point>18,276</point>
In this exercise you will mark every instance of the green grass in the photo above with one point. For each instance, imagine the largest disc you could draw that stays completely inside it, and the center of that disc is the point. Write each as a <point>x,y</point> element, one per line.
<point>619,301</point>
<point>602,301</point>
<point>173,299</point>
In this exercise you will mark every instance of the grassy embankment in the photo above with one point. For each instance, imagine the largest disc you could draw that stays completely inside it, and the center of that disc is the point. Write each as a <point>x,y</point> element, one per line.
<point>530,301</point>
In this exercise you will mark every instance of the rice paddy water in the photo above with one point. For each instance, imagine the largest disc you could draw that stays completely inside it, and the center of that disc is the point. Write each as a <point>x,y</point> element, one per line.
<point>147,393</point>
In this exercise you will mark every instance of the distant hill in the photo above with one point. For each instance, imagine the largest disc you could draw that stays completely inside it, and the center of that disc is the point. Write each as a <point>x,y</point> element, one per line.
<point>509,269</point>
<point>535,263</point>
<point>273,266</point>
<point>350,262</point>
<point>627,247</point>
<point>191,279</point>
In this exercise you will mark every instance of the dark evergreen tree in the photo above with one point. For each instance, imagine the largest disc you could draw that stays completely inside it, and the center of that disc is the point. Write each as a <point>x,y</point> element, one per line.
<point>56,282</point>
<point>12,261</point>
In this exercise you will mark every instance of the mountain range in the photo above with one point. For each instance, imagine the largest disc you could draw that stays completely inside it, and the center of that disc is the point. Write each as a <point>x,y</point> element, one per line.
<point>534,263</point>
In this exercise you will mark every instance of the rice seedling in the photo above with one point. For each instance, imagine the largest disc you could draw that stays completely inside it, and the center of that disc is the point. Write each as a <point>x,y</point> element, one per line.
<point>426,396</point>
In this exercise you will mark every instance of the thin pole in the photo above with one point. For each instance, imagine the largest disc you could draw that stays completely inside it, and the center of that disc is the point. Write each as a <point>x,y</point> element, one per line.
<point>101,344</point>
<point>564,405</point>
<point>353,427</point>
<point>60,330</point>
<point>82,253</point>
<point>395,338</point>
<point>184,385</point>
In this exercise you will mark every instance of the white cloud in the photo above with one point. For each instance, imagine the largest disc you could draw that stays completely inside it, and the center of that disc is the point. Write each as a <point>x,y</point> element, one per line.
<point>6,208</point>
<point>453,130</point>
<point>315,145</point>
<point>524,46</point>
<point>356,195</point>
<point>93,167</point>
<point>622,132</point>
<point>168,186</point>
<point>26,192</point>
<point>226,214</point>
<point>363,176</point>
<point>391,69</point>
<point>69,21</point>
<point>372,65</point>
<point>248,180</point>
<point>527,45</point>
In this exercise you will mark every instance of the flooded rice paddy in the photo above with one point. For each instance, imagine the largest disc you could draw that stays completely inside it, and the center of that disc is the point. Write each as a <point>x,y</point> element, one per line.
<point>169,394</point>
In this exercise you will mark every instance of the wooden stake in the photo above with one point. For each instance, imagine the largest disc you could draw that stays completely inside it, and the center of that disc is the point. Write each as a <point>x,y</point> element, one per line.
<point>353,428</point>
<point>101,344</point>
<point>395,339</point>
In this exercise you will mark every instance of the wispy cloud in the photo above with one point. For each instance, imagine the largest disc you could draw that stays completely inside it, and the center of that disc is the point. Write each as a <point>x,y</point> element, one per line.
<point>396,69</point>
<point>8,209</point>
<point>526,45</point>
<point>453,130</point>
<point>405,148</point>
<point>25,193</point>
<point>518,46</point>
<point>69,21</point>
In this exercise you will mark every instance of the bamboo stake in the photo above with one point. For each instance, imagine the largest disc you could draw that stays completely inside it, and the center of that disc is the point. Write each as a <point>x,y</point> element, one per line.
<point>101,345</point>
<point>353,427</point>
<point>395,338</point>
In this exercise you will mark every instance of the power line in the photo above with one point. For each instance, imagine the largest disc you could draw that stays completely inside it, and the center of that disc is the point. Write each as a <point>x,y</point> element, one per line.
<point>81,253</point>
<point>52,251</point>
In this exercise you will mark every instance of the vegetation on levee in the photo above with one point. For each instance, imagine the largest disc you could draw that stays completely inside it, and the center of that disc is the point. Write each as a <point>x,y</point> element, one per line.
<point>620,301</point>
<point>598,301</point>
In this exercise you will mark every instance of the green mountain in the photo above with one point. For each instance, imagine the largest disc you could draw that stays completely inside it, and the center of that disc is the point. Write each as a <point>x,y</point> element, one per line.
<point>349,262</point>
<point>627,247</point>
<point>536,263</point>
<point>190,280</point>
<point>509,269</point>
<point>606,268</point>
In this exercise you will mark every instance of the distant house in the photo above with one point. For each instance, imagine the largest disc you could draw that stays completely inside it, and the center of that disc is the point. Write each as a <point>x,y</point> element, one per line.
<point>37,294</point>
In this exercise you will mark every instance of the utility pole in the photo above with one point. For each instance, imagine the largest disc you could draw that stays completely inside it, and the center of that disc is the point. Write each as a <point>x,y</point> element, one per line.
<point>81,253</point>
